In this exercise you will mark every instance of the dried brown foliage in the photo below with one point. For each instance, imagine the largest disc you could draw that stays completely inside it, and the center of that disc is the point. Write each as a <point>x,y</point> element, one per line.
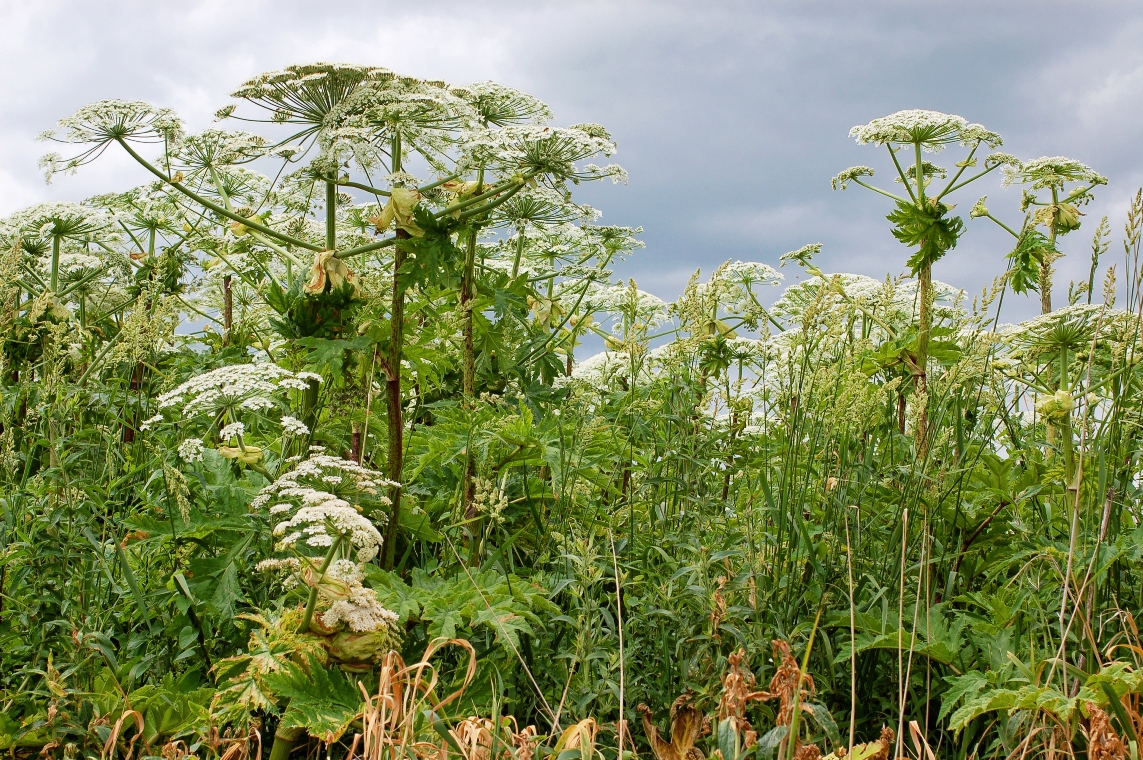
<point>785,683</point>
<point>737,693</point>
<point>1103,743</point>
<point>687,725</point>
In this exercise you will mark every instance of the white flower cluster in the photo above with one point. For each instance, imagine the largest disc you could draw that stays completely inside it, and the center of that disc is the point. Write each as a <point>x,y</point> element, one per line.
<point>932,130</point>
<point>99,123</point>
<point>313,524</point>
<point>502,105</point>
<point>234,429</point>
<point>190,450</point>
<point>749,272</point>
<point>803,255</point>
<point>1002,159</point>
<point>305,492</point>
<point>62,219</point>
<point>637,305</point>
<point>294,426</point>
<point>118,119</point>
<point>291,88</point>
<point>1052,171</point>
<point>78,263</point>
<point>842,180</point>
<point>895,301</point>
<point>248,386</point>
<point>350,602</point>
<point>550,152</point>
<point>278,563</point>
<point>425,112</point>
<point>1072,327</point>
<point>214,148</point>
<point>602,370</point>
<point>541,206</point>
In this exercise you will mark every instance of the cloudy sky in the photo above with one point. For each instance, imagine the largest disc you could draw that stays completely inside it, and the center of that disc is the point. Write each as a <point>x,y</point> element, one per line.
<point>731,117</point>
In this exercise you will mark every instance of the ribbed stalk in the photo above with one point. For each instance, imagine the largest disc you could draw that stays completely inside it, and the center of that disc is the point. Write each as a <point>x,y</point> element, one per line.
<point>1046,266</point>
<point>393,407</point>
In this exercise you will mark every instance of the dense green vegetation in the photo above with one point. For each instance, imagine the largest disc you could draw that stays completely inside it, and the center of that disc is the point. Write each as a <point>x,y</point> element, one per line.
<point>298,453</point>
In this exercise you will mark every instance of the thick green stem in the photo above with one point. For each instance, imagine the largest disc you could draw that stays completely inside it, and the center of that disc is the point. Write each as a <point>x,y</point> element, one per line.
<point>227,309</point>
<point>393,406</point>
<point>467,293</point>
<point>311,601</point>
<point>920,373</point>
<point>1064,433</point>
<point>468,370</point>
<point>1046,266</point>
<point>519,253</point>
<point>310,402</point>
<point>54,284</point>
<point>284,741</point>
<point>330,216</point>
<point>919,172</point>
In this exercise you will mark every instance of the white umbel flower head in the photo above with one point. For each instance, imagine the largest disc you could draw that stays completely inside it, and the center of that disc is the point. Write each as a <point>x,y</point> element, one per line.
<point>234,386</point>
<point>501,105</point>
<point>294,426</point>
<point>190,450</point>
<point>215,148</point>
<point>932,130</point>
<point>99,124</point>
<point>62,219</point>
<point>1052,171</point>
<point>234,429</point>
<point>551,153</point>
<point>319,497</point>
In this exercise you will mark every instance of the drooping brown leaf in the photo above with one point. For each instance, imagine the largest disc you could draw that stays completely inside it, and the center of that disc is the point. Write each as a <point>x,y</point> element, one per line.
<point>1102,741</point>
<point>737,693</point>
<point>687,725</point>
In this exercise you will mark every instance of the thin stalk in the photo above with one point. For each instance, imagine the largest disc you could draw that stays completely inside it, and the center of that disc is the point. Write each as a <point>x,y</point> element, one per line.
<point>900,625</point>
<point>792,736</point>
<point>496,189</point>
<point>852,641</point>
<point>215,207</point>
<point>875,189</point>
<point>622,723</point>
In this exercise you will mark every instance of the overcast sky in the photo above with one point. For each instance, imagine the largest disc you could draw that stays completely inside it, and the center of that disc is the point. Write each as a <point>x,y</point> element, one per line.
<point>730,117</point>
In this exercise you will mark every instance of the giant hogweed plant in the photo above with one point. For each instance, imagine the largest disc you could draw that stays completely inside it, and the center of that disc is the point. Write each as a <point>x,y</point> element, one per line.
<point>1058,213</point>
<point>312,394</point>
<point>922,218</point>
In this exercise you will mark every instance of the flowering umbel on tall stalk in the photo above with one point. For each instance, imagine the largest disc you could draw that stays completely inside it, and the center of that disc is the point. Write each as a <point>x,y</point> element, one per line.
<point>1059,214</point>
<point>922,220</point>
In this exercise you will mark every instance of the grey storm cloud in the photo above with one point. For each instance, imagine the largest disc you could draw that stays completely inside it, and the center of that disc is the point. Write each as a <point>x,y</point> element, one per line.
<point>730,117</point>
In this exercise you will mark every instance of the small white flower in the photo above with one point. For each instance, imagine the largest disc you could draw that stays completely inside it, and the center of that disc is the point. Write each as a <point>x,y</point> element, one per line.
<point>148,423</point>
<point>294,426</point>
<point>232,430</point>
<point>190,450</point>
